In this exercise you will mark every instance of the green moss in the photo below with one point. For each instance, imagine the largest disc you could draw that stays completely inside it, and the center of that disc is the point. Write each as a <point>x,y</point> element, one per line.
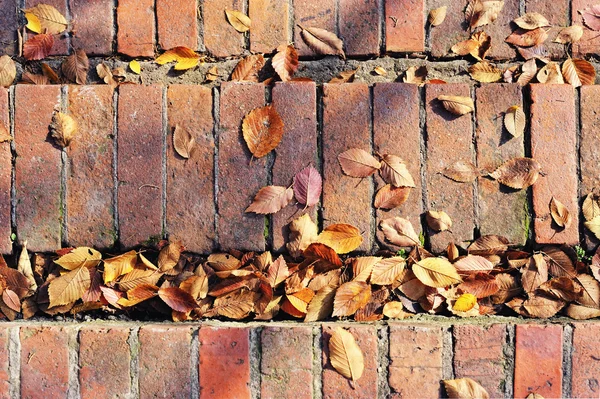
<point>266,229</point>
<point>152,241</point>
<point>526,223</point>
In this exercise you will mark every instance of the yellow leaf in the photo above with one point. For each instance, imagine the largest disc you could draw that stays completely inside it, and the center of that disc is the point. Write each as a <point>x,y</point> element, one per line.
<point>363,266</point>
<point>186,58</point>
<point>69,287</point>
<point>63,128</point>
<point>50,19</point>
<point>135,67</point>
<point>437,16</point>
<point>436,272</point>
<point>33,23</point>
<point>465,302</point>
<point>386,270</point>
<point>119,265</point>
<point>485,72</point>
<point>238,20</point>
<point>465,388</point>
<point>350,297</point>
<point>8,71</point>
<point>342,238</point>
<point>80,256</point>
<point>303,232</point>
<point>345,355</point>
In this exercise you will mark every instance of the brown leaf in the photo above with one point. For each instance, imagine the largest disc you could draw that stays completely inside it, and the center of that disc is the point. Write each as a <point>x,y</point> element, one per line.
<point>308,184</point>
<point>322,41</point>
<point>389,197</point>
<point>236,305</point>
<point>571,34</point>
<point>535,273</point>
<point>437,16</point>
<point>321,305</point>
<point>415,75</point>
<point>559,263</point>
<point>591,206</point>
<point>76,66</point>
<point>457,105</point>
<point>11,300</point>
<point>63,128</point>
<point>277,272</point>
<point>515,120</point>
<point>296,304</point>
<point>591,17</point>
<point>271,199</point>
<point>106,75</point>
<point>379,70</point>
<point>263,130</point>
<point>387,270</point>
<point>356,162</point>
<point>461,171</point>
<point>342,238</point>
<point>436,272</point>
<point>344,77</point>
<point>69,287</point>
<point>508,288</point>
<point>578,72</point>
<point>562,288</point>
<point>560,213</point>
<point>8,71</point>
<point>238,20</point>
<point>527,38</point>
<point>169,255</point>
<point>473,264</point>
<point>591,291</point>
<point>137,295</point>
<point>488,245</point>
<point>323,257</point>
<point>531,21</point>
<point>438,220</point>
<point>542,307</point>
<point>528,72</point>
<point>183,142</point>
<point>247,69</point>
<point>51,20</point>
<point>24,267</point>
<point>350,297</point>
<point>479,13</point>
<point>345,355</point>
<point>579,312</point>
<point>465,388</point>
<point>212,74</point>
<point>399,231</point>
<point>303,232</point>
<point>540,52</point>
<point>285,62</point>
<point>363,266</point>
<point>394,171</point>
<point>177,299</point>
<point>139,276</point>
<point>518,173</point>
<point>38,47</point>
<point>485,72</point>
<point>34,79</point>
<point>482,285</point>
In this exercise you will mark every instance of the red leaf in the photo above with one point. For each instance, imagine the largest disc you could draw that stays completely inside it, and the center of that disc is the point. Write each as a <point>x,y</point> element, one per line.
<point>307,186</point>
<point>177,299</point>
<point>38,47</point>
<point>11,300</point>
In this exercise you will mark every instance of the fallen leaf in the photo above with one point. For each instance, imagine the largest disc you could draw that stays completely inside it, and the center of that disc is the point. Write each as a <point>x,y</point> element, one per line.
<point>356,162</point>
<point>562,288</point>
<point>24,267</point>
<point>531,21</point>
<point>465,388</point>
<point>342,238</point>
<point>285,62</point>
<point>488,245</point>
<point>238,20</point>
<point>177,299</point>
<point>138,295</point>
<point>321,306</point>
<point>33,23</point>
<point>350,297</point>
<point>539,52</point>
<point>594,226</point>
<point>139,276</point>
<point>438,220</point>
<point>436,272</point>
<point>387,270</point>
<point>394,171</point>
<point>473,264</point>
<point>478,45</point>
<point>465,302</point>
<point>345,355</point>
<point>571,34</point>
<point>482,285</point>
<point>169,255</point>
<point>578,72</point>
<point>135,67</point>
<point>322,41</point>
<point>49,73</point>
<point>378,70</point>
<point>485,72</point>
<point>184,57</point>
<point>550,74</point>
<point>303,232</point>
<point>247,69</point>
<point>38,47</point>
<point>34,79</point>
<point>119,265</point>
<point>518,173</point>
<point>579,312</point>
<point>528,72</point>
<point>400,232</point>
<point>591,291</point>
<point>308,184</point>
<point>106,75</point>
<point>395,310</point>
<point>389,197</point>
<point>591,206</point>
<point>80,256</point>
<point>8,71</point>
<point>461,171</point>
<point>69,287</point>
<point>527,38</point>
<point>437,16</point>
<point>263,130</point>
<point>591,17</point>
<point>76,66</point>
<point>236,305</point>
<point>183,142</point>
<point>52,22</point>
<point>560,213</point>
<point>63,128</point>
<point>507,288</point>
<point>457,105</point>
<point>535,273</point>
<point>271,199</point>
<point>212,74</point>
<point>363,266</point>
<point>278,272</point>
<point>344,77</point>
<point>415,75</point>
<point>514,121</point>
<point>296,304</point>
<point>542,307</point>
<point>479,13</point>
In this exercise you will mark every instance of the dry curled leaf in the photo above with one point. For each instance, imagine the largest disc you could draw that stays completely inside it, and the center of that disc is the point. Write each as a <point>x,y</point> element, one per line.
<point>344,77</point>
<point>322,41</point>
<point>350,297</point>
<point>514,121</point>
<point>570,34</point>
<point>247,69</point>
<point>8,71</point>
<point>485,72</point>
<point>38,47</point>
<point>437,16</point>
<point>400,232</point>
<point>387,270</point>
<point>342,238</point>
<point>321,306</point>
<point>594,226</point>
<point>184,57</point>
<point>307,186</point>
<point>105,74</point>
<point>303,232</point>
<point>285,62</point>
<point>271,199</point>
<point>531,21</point>
<point>539,52</point>
<point>415,75</point>
<point>436,272</point>
<point>356,162</point>
<point>527,38</point>
<point>394,171</point>
<point>518,173</point>
<point>591,206</point>
<point>238,20</point>
<point>183,142</point>
<point>550,74</point>
<point>63,128</point>
<point>390,197</point>
<point>465,388</point>
<point>479,13</point>
<point>461,171</point>
<point>379,70</point>
<point>177,299</point>
<point>457,105</point>
<point>591,17</point>
<point>51,20</point>
<point>345,355</point>
<point>438,220</point>
<point>578,72</point>
<point>69,287</point>
<point>24,267</point>
<point>528,72</point>
<point>560,214</point>
<point>76,66</point>
<point>263,130</point>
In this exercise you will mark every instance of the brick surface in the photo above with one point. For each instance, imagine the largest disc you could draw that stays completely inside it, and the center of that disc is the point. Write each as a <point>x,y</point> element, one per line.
<point>359,22</point>
<point>90,186</point>
<point>190,183</point>
<point>396,131</point>
<point>335,385</point>
<point>296,103</point>
<point>5,178</point>
<point>404,25</point>
<point>538,360</point>
<point>584,377</point>
<point>136,28</point>
<point>104,362</point>
<point>44,362</point>
<point>449,139</point>
<point>452,31</point>
<point>4,372</point>
<point>8,33</point>
<point>37,168</point>
<point>240,176</point>
<point>589,42</point>
<point>310,13</point>
<point>554,146</point>
<point>220,38</point>
<point>286,363</point>
<point>501,29</point>
<point>94,21</point>
<point>224,363</point>
<point>589,148</point>
<point>502,210</point>
<point>479,354</point>
<point>347,108</point>
<point>165,361</point>
<point>557,13</point>
<point>139,163</point>
<point>269,24</point>
<point>61,44</point>
<point>177,22</point>
<point>415,368</point>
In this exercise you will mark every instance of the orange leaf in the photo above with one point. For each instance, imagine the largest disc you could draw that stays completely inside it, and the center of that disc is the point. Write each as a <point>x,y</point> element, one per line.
<point>358,163</point>
<point>343,238</point>
<point>38,47</point>
<point>285,62</point>
<point>263,130</point>
<point>271,199</point>
<point>177,299</point>
<point>350,297</point>
<point>389,197</point>
<point>247,69</point>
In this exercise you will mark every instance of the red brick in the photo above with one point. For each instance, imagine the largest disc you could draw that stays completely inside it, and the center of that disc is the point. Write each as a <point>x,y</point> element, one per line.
<point>136,28</point>
<point>37,169</point>
<point>104,362</point>
<point>269,24</point>
<point>589,43</point>
<point>589,148</point>
<point>538,360</point>
<point>165,361</point>
<point>313,14</point>
<point>335,385</point>
<point>359,22</point>
<point>415,368</point>
<point>501,29</point>
<point>479,354</point>
<point>557,13</point>
<point>5,178</point>
<point>139,163</point>
<point>190,183</point>
<point>296,103</point>
<point>554,146</point>
<point>404,26</point>
<point>346,125</point>
<point>502,211</point>
<point>224,363</point>
<point>452,31</point>
<point>240,176</point>
<point>94,22</point>
<point>584,377</point>
<point>286,363</point>
<point>44,362</point>
<point>10,24</point>
<point>220,38</point>
<point>91,215</point>
<point>4,373</point>
<point>61,44</point>
<point>449,139</point>
<point>177,23</point>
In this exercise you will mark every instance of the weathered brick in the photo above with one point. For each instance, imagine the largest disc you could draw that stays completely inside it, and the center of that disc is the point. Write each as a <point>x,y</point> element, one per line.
<point>415,368</point>
<point>104,362</point>
<point>61,44</point>
<point>502,210</point>
<point>90,186</point>
<point>10,23</point>
<point>452,31</point>
<point>286,363</point>
<point>165,361</point>
<point>240,176</point>
<point>557,13</point>
<point>589,148</point>
<point>359,22</point>
<point>479,354</point>
<point>5,178</point>
<point>94,20</point>
<point>4,372</point>
<point>590,42</point>
<point>584,378</point>
<point>346,125</point>
<point>296,103</point>
<point>269,24</point>
<point>190,183</point>
<point>538,360</point>
<point>136,28</point>
<point>224,363</point>
<point>554,146</point>
<point>37,168</point>
<point>177,23</point>
<point>312,14</point>
<point>220,38</point>
<point>501,29</point>
<point>44,362</point>
<point>335,385</point>
<point>449,139</point>
<point>139,163</point>
<point>404,26</point>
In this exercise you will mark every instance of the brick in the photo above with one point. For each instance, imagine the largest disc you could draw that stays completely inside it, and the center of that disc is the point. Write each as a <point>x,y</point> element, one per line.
<point>359,22</point>
<point>296,103</point>
<point>44,362</point>
<point>177,23</point>
<point>554,146</point>
<point>589,149</point>
<point>94,20</point>
<point>346,125</point>
<point>220,38</point>
<point>452,31</point>
<point>104,362</point>
<point>5,178</point>
<point>415,368</point>
<point>589,43</point>
<point>139,163</point>
<point>286,362</point>
<point>4,364</point>
<point>313,14</point>
<point>37,168</point>
<point>90,186</point>
<point>404,26</point>
<point>269,24</point>
<point>61,44</point>
<point>502,210</point>
<point>584,376</point>
<point>240,176</point>
<point>538,360</point>
<point>224,363</point>
<point>165,361</point>
<point>10,24</point>
<point>557,13</point>
<point>449,139</point>
<point>479,354</point>
<point>190,183</point>
<point>136,28</point>
<point>335,385</point>
<point>501,29</point>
